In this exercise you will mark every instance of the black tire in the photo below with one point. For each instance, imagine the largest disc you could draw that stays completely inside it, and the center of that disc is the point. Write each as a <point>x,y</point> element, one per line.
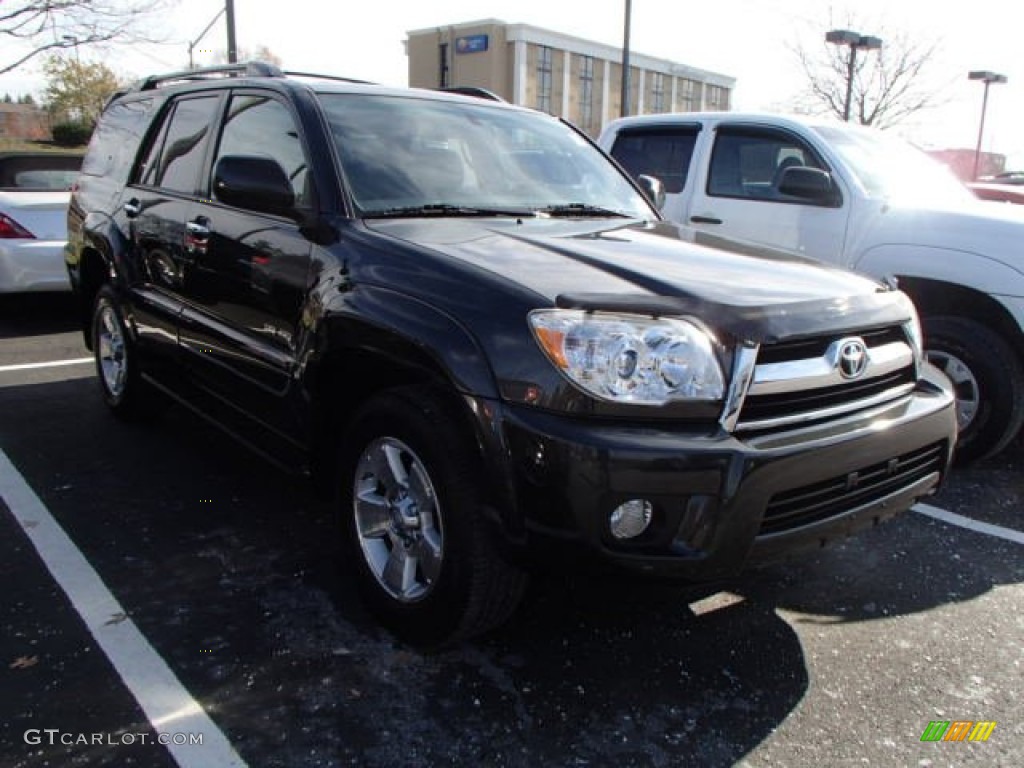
<point>125,393</point>
<point>460,585</point>
<point>989,381</point>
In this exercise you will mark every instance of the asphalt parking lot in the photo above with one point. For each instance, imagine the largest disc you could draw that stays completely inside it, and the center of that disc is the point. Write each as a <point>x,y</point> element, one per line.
<point>228,571</point>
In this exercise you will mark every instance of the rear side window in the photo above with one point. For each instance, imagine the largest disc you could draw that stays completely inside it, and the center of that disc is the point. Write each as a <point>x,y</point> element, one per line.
<point>176,155</point>
<point>664,153</point>
<point>116,139</point>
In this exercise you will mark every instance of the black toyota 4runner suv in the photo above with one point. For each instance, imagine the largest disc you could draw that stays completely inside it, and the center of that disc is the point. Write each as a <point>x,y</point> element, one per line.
<point>470,326</point>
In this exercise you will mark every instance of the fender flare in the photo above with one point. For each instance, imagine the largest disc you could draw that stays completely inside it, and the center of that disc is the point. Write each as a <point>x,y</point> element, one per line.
<point>947,265</point>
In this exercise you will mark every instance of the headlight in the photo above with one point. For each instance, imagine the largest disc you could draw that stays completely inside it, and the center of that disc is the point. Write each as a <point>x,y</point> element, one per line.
<point>630,359</point>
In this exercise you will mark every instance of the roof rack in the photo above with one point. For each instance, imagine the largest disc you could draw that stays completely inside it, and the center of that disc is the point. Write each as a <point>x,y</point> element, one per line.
<point>242,69</point>
<point>290,73</point>
<point>471,90</point>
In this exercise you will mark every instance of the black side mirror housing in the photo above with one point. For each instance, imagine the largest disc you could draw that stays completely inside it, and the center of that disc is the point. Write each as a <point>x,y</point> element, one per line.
<point>653,189</point>
<point>810,184</point>
<point>254,183</point>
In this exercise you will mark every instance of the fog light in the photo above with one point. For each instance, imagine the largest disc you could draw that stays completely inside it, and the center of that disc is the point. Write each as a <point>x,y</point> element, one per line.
<point>631,519</point>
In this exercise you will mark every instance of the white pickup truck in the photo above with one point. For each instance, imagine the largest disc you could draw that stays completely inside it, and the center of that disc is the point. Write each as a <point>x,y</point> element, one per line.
<point>867,201</point>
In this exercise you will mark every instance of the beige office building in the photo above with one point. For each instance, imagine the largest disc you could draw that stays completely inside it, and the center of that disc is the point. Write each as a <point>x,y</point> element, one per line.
<point>564,75</point>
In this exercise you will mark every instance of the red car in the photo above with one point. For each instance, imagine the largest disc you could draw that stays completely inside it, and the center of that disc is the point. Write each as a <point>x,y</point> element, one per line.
<point>1006,193</point>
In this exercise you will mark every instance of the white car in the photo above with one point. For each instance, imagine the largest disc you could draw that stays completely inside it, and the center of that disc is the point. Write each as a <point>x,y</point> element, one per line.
<point>34,193</point>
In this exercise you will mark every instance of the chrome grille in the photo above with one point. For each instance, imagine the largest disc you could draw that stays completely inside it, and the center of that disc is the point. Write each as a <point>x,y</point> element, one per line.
<point>799,382</point>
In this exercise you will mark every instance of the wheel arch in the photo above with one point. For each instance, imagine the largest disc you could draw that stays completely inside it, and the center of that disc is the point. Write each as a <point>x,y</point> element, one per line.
<point>96,266</point>
<point>93,273</point>
<point>357,358</point>
<point>937,297</point>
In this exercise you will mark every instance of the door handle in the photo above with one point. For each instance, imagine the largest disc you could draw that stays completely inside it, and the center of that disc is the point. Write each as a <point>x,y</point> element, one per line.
<point>132,208</point>
<point>198,228</point>
<point>705,220</point>
<point>197,235</point>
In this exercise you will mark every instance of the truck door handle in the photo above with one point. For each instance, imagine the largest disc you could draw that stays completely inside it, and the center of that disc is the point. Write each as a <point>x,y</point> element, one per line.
<point>704,220</point>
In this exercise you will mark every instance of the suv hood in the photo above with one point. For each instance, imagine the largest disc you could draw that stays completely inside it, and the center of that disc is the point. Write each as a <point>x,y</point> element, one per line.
<point>653,269</point>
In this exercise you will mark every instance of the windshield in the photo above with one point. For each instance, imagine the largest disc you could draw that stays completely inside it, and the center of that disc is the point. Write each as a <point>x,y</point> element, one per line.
<point>414,156</point>
<point>890,168</point>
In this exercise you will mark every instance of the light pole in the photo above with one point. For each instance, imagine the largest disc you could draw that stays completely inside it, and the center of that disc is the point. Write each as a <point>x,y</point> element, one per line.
<point>987,78</point>
<point>856,41</point>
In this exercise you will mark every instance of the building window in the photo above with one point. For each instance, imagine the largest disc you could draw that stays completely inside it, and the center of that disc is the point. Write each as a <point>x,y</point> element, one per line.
<point>544,78</point>
<point>442,79</point>
<point>690,94</point>
<point>587,92</point>
<point>657,92</point>
<point>718,98</point>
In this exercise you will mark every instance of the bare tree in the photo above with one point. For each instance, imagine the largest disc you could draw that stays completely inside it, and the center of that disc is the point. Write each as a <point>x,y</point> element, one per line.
<point>888,84</point>
<point>38,26</point>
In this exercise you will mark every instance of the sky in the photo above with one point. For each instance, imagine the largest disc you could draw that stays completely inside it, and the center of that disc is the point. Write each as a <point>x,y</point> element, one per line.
<point>750,40</point>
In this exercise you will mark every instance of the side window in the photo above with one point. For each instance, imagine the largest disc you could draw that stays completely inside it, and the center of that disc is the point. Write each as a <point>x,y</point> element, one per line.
<point>116,139</point>
<point>750,162</point>
<point>663,152</point>
<point>261,126</point>
<point>175,158</point>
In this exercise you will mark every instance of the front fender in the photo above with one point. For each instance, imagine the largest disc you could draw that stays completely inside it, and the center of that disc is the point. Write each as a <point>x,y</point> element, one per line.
<point>408,332</point>
<point>947,265</point>
<point>377,338</point>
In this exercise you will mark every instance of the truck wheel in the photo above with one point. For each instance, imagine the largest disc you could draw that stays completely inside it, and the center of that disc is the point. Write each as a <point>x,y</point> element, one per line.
<point>987,377</point>
<point>121,384</point>
<point>414,531</point>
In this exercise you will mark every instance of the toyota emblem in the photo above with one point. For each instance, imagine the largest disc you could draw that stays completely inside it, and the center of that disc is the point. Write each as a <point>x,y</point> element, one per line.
<point>851,357</point>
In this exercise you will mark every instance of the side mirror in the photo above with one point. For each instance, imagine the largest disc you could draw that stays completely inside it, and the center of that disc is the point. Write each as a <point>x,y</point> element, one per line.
<point>811,184</point>
<point>254,183</point>
<point>653,189</point>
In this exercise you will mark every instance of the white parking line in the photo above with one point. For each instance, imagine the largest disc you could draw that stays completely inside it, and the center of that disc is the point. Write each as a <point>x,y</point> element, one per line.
<point>169,707</point>
<point>51,364</point>
<point>974,525</point>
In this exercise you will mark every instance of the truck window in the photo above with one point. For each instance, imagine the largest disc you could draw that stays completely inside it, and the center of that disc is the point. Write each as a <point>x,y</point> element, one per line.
<point>750,162</point>
<point>660,152</point>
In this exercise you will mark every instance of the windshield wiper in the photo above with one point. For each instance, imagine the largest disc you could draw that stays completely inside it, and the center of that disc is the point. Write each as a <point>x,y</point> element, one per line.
<point>445,209</point>
<point>582,209</point>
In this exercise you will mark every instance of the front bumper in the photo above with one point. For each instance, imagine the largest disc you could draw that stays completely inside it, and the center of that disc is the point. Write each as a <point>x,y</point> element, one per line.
<point>724,501</point>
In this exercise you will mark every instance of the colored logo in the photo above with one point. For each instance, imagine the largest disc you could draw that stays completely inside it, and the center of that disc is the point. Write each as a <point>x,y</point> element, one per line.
<point>958,730</point>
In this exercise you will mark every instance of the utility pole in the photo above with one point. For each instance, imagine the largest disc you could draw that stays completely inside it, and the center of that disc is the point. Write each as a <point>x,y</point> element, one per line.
<point>624,106</point>
<point>232,47</point>
<point>194,43</point>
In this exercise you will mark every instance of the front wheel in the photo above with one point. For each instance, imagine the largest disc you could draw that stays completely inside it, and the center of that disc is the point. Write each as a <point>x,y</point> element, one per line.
<point>413,521</point>
<point>988,380</point>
